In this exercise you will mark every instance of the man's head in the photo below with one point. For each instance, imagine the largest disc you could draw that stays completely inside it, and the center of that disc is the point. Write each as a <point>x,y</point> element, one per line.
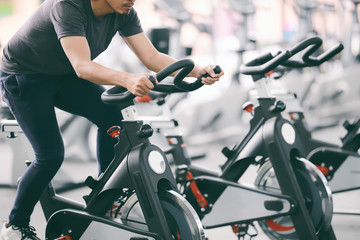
<point>120,6</point>
<point>104,7</point>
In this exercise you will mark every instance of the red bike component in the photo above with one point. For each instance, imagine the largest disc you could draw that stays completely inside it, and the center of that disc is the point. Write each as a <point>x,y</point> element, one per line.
<point>269,73</point>
<point>66,237</point>
<point>114,210</point>
<point>114,131</point>
<point>235,229</point>
<point>324,170</point>
<point>195,190</point>
<point>145,98</point>
<point>248,107</point>
<point>277,227</point>
<point>171,141</point>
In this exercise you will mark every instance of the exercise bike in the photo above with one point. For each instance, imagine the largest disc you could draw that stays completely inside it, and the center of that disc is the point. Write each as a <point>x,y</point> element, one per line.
<point>138,179</point>
<point>338,162</point>
<point>290,198</point>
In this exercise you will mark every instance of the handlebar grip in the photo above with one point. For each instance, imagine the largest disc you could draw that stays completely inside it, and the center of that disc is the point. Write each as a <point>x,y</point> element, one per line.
<point>216,69</point>
<point>152,79</point>
<point>186,86</point>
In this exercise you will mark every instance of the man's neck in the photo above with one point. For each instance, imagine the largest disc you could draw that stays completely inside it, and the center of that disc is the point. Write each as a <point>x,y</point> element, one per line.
<point>100,8</point>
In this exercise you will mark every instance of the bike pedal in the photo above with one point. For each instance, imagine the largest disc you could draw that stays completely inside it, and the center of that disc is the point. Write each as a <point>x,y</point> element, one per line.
<point>139,238</point>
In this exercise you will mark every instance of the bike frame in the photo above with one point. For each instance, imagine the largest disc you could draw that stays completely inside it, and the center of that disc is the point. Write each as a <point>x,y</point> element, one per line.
<point>131,168</point>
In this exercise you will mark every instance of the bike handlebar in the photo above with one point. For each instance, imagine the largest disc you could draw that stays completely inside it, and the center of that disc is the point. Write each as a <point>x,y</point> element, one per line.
<point>264,63</point>
<point>268,62</point>
<point>119,94</point>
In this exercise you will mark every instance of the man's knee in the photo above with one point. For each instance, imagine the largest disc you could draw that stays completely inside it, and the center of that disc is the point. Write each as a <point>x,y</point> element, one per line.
<point>50,158</point>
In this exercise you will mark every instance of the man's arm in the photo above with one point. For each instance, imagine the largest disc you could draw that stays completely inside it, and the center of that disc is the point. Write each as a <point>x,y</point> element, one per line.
<point>147,53</point>
<point>77,50</point>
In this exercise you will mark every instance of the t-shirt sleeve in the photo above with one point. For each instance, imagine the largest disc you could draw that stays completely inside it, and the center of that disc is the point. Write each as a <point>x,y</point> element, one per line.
<point>67,19</point>
<point>131,25</point>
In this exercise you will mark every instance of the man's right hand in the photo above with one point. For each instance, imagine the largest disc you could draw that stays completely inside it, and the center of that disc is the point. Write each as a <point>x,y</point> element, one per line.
<point>139,84</point>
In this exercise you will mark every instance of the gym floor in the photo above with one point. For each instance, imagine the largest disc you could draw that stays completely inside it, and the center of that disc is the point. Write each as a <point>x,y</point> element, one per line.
<point>346,227</point>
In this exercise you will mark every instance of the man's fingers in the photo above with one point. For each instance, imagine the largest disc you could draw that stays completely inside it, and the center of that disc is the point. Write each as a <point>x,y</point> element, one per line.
<point>209,80</point>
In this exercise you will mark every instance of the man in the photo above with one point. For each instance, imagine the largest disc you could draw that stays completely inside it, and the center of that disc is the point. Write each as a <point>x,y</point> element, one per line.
<point>48,63</point>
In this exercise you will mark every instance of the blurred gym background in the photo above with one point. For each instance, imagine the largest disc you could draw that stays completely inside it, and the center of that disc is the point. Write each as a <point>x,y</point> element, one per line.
<point>223,32</point>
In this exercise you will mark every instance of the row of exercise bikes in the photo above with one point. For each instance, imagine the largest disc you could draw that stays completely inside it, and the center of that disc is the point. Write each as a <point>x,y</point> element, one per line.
<point>141,196</point>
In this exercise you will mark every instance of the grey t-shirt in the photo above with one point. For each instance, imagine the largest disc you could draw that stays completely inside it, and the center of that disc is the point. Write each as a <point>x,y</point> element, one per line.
<point>35,48</point>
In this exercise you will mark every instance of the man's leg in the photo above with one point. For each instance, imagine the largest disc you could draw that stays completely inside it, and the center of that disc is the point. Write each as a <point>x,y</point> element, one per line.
<point>33,108</point>
<point>83,98</point>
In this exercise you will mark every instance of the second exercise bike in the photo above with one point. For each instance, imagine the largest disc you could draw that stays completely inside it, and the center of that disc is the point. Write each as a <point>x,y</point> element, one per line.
<point>290,198</point>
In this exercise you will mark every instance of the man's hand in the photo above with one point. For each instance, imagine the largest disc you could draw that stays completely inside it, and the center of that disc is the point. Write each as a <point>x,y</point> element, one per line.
<point>139,84</point>
<point>212,78</point>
